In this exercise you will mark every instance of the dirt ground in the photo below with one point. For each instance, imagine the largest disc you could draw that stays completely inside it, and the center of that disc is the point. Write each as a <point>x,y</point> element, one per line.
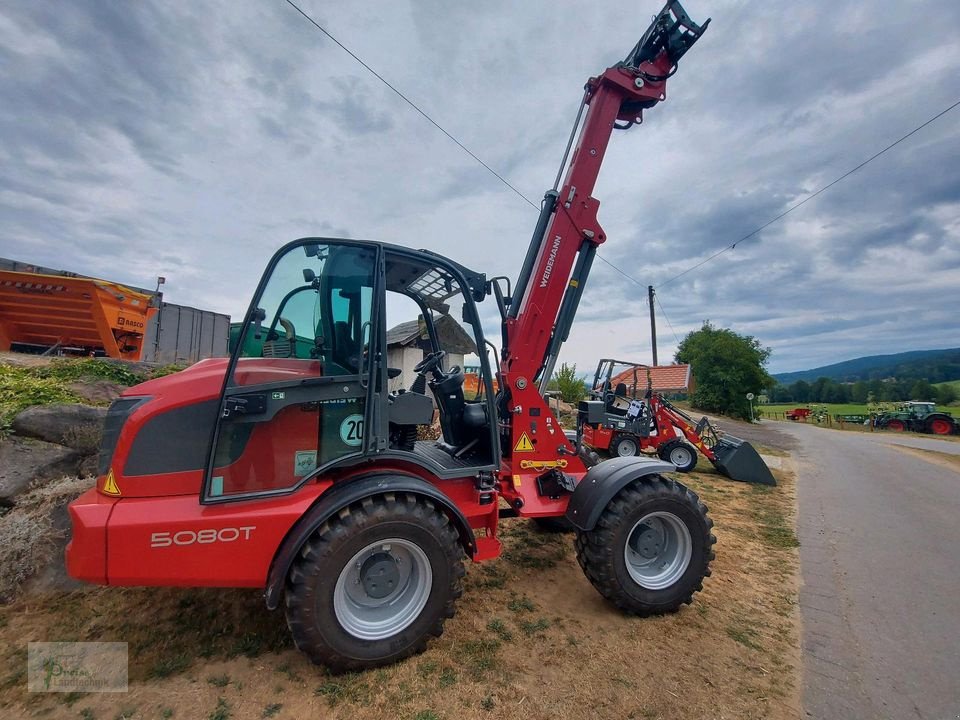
<point>532,639</point>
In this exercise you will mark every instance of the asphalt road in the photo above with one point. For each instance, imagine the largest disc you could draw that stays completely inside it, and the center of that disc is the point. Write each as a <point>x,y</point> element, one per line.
<point>879,536</point>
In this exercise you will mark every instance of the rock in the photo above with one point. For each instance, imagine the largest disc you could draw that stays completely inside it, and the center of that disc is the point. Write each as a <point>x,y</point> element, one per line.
<point>76,426</point>
<point>97,391</point>
<point>89,465</point>
<point>24,461</point>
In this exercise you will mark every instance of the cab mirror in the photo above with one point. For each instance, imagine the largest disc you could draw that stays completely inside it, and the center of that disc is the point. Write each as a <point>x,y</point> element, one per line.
<point>259,315</point>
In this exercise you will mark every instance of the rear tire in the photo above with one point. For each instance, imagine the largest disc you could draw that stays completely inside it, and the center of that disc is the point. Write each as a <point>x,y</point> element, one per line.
<point>374,583</point>
<point>651,548</point>
<point>679,453</point>
<point>939,425</point>
<point>624,446</point>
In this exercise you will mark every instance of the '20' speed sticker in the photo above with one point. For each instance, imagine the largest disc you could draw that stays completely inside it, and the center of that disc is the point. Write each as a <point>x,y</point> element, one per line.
<point>351,430</point>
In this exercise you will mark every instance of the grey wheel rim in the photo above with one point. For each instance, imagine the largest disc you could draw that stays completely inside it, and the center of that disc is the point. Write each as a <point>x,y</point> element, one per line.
<point>658,550</point>
<point>626,448</point>
<point>382,589</point>
<point>681,455</point>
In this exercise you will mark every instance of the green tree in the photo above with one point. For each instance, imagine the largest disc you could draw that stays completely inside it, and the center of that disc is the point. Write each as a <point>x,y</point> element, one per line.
<point>570,386</point>
<point>859,392</point>
<point>946,394</point>
<point>726,366</point>
<point>801,391</point>
<point>837,392</point>
<point>923,390</point>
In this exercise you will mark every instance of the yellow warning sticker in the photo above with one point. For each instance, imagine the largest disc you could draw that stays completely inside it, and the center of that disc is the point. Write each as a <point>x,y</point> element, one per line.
<point>110,485</point>
<point>523,444</point>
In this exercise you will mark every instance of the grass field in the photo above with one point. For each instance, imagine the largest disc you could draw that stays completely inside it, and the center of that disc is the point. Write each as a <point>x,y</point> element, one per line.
<point>832,408</point>
<point>532,640</point>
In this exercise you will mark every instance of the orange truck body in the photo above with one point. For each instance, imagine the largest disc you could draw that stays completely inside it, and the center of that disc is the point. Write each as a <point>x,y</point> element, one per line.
<point>471,384</point>
<point>82,314</point>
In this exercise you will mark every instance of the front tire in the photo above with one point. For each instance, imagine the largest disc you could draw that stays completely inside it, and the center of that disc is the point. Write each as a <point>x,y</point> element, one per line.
<point>624,446</point>
<point>679,453</point>
<point>651,548</point>
<point>374,583</point>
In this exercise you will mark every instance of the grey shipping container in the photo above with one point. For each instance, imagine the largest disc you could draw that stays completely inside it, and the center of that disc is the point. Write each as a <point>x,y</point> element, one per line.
<point>181,334</point>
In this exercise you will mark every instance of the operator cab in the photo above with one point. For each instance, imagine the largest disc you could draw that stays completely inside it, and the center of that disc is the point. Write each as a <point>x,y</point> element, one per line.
<point>622,387</point>
<point>314,384</point>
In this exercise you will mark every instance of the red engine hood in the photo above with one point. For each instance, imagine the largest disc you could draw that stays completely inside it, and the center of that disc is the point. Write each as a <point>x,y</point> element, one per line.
<point>201,381</point>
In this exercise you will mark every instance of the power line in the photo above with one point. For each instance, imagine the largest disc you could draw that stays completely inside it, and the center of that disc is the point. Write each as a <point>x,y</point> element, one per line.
<point>502,179</point>
<point>437,125</point>
<point>809,198</point>
<point>664,313</point>
<point>628,277</point>
<point>410,102</point>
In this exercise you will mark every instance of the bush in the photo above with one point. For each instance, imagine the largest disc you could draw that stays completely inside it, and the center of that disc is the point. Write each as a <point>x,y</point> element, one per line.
<point>91,369</point>
<point>571,387</point>
<point>22,387</point>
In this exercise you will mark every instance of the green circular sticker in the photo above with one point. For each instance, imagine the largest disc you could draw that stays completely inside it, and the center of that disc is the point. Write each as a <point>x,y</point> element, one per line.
<point>351,430</point>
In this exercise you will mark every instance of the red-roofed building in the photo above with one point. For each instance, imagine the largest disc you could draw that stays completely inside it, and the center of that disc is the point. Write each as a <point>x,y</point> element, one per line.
<point>666,379</point>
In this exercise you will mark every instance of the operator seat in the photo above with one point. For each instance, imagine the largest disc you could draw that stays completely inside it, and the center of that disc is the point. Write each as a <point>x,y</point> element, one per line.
<point>617,403</point>
<point>347,351</point>
<point>460,421</point>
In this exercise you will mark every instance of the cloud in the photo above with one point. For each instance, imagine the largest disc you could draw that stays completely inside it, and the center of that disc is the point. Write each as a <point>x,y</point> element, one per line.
<point>192,141</point>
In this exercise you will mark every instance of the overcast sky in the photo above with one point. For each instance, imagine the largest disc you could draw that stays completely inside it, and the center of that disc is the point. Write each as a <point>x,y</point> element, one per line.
<point>190,140</point>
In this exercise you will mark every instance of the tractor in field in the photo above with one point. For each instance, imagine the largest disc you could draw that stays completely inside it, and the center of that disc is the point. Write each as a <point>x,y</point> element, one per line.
<point>625,421</point>
<point>292,467</point>
<point>921,417</point>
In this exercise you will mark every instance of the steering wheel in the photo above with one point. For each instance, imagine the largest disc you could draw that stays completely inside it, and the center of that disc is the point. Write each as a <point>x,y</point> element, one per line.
<point>430,362</point>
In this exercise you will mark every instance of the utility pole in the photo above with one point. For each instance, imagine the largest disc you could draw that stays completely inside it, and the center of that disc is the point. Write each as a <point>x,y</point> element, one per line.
<point>653,324</point>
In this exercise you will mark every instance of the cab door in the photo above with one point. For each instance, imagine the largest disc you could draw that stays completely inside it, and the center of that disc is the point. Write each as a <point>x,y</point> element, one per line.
<point>302,384</point>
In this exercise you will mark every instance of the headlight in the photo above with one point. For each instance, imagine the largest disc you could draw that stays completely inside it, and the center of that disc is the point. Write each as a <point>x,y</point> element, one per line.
<point>117,415</point>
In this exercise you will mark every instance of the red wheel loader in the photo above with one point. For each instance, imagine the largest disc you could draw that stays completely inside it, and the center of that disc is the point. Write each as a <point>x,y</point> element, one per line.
<point>624,422</point>
<point>291,467</point>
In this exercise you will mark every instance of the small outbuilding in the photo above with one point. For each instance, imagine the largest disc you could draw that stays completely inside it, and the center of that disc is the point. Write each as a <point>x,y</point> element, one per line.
<point>407,341</point>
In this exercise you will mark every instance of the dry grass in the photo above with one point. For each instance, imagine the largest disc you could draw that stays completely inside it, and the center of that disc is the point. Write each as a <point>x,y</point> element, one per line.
<point>532,639</point>
<point>28,539</point>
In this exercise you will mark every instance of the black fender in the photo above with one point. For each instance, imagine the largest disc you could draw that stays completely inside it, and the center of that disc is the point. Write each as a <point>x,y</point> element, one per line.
<point>603,481</point>
<point>346,493</point>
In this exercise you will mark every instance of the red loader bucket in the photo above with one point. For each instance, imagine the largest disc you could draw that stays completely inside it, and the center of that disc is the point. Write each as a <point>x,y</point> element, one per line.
<point>738,460</point>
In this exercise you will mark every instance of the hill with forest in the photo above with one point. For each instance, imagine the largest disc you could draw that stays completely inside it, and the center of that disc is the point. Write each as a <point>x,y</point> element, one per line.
<point>934,366</point>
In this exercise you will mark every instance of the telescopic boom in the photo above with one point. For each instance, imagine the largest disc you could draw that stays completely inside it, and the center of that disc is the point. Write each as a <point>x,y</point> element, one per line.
<point>567,234</point>
<point>538,317</point>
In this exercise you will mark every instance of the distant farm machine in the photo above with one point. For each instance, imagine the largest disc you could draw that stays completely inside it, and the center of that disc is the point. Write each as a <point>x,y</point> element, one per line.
<point>625,421</point>
<point>817,413</point>
<point>913,416</point>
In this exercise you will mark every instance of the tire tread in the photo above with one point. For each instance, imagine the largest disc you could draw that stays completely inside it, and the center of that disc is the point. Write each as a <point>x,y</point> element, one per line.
<point>596,549</point>
<point>320,547</point>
